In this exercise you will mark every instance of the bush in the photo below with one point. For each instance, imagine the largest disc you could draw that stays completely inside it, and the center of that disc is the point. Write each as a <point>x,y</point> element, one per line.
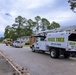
<point>27,44</point>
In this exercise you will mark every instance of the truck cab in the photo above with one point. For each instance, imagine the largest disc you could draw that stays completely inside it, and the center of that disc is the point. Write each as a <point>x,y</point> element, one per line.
<point>39,44</point>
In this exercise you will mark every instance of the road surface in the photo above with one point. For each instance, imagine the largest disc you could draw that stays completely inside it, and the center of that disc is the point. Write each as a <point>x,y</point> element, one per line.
<point>38,63</point>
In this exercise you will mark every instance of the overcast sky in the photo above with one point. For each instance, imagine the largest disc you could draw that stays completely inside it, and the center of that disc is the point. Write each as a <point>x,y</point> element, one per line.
<point>53,10</point>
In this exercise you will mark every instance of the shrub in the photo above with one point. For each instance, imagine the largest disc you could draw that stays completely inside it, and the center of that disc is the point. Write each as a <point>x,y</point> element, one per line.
<point>27,44</point>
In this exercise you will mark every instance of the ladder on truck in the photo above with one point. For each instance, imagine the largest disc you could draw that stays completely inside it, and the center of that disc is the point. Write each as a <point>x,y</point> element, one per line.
<point>61,29</point>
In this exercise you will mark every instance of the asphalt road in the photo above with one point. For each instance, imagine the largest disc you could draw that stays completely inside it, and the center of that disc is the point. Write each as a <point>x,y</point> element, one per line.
<point>38,63</point>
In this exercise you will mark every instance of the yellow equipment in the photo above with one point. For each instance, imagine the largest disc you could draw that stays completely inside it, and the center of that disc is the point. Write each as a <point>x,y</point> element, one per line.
<point>8,41</point>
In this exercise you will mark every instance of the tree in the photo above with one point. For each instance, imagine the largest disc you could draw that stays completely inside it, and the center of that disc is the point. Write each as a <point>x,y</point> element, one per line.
<point>27,31</point>
<point>24,27</point>
<point>9,33</point>
<point>1,39</point>
<point>44,24</point>
<point>19,24</point>
<point>31,24</point>
<point>54,25</point>
<point>37,18</point>
<point>12,34</point>
<point>72,4</point>
<point>29,28</point>
<point>7,30</point>
<point>20,21</point>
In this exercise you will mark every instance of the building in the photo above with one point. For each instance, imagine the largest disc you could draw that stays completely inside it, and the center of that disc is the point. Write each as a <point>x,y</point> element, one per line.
<point>25,39</point>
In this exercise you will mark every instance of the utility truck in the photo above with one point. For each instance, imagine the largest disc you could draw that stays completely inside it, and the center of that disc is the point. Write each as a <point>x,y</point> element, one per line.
<point>60,41</point>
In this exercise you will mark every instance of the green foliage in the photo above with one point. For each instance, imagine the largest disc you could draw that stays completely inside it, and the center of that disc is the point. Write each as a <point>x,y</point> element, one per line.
<point>27,44</point>
<point>19,24</point>
<point>37,18</point>
<point>7,31</point>
<point>24,27</point>
<point>72,4</point>
<point>44,24</point>
<point>20,28</point>
<point>1,39</point>
<point>31,24</point>
<point>27,32</point>
<point>20,20</point>
<point>53,25</point>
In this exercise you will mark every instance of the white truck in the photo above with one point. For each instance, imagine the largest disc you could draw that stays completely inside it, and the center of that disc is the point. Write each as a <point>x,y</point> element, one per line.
<point>57,42</point>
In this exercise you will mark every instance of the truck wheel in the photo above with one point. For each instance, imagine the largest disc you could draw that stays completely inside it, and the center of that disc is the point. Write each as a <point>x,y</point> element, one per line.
<point>66,55</point>
<point>54,53</point>
<point>33,49</point>
<point>21,47</point>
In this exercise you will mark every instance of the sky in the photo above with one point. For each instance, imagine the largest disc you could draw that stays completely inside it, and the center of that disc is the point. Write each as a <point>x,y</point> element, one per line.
<point>53,10</point>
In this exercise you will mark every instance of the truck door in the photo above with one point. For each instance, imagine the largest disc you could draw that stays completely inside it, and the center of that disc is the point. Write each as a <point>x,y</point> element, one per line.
<point>42,43</point>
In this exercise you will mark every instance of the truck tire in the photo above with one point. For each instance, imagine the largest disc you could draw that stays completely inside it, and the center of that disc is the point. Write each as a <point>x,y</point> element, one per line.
<point>54,53</point>
<point>66,55</point>
<point>33,49</point>
<point>21,46</point>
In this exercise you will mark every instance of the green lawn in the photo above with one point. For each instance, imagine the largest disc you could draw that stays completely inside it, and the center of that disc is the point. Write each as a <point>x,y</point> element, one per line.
<point>27,45</point>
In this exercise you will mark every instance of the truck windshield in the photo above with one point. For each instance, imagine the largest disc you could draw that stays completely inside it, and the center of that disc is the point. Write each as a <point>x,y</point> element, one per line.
<point>72,37</point>
<point>42,38</point>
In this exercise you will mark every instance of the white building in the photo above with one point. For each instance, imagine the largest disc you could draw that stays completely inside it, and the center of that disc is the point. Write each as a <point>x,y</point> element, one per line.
<point>25,39</point>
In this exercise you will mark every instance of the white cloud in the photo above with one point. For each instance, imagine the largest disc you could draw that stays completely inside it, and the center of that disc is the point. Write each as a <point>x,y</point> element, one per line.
<point>30,4</point>
<point>60,16</point>
<point>64,17</point>
<point>3,24</point>
<point>38,3</point>
<point>32,8</point>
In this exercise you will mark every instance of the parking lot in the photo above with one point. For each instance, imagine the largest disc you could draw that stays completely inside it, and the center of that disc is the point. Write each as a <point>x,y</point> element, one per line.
<point>39,63</point>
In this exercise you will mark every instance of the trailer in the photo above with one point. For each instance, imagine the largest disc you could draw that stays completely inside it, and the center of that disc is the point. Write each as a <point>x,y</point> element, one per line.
<point>60,41</point>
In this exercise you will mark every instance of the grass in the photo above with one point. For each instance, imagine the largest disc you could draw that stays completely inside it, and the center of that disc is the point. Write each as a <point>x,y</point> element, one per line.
<point>27,45</point>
